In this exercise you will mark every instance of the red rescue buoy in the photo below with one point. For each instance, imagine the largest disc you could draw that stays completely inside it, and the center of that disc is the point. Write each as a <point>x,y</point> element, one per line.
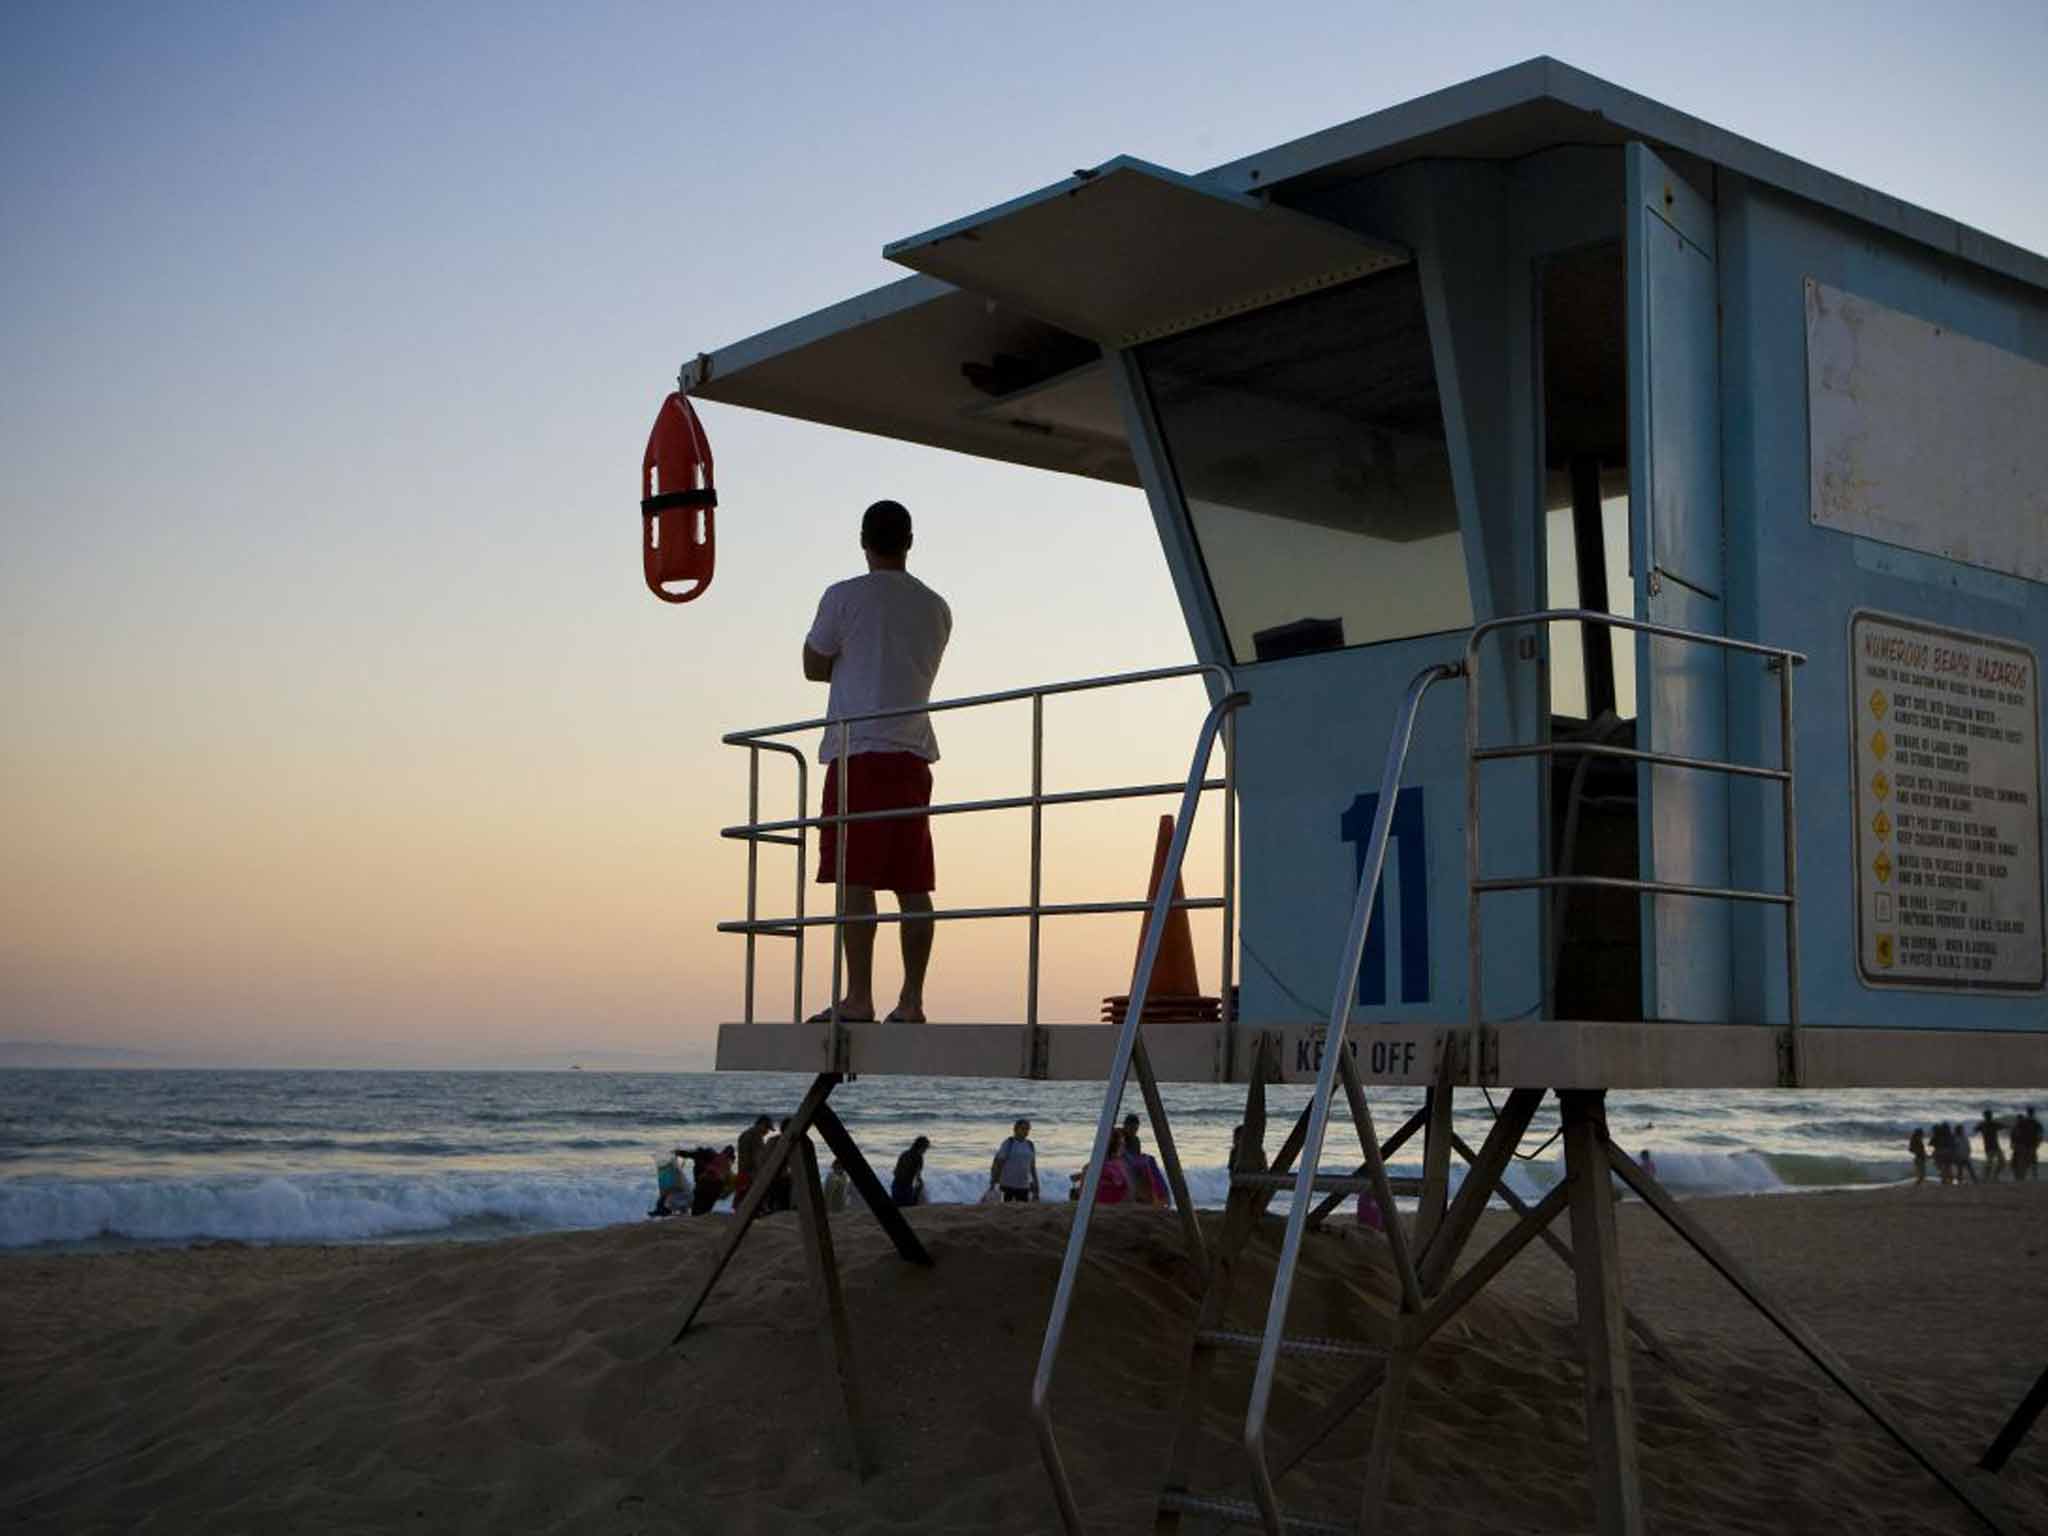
<point>678,540</point>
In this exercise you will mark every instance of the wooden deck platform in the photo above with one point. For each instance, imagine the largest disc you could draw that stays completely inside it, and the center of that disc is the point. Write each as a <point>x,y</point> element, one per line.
<point>1546,1054</point>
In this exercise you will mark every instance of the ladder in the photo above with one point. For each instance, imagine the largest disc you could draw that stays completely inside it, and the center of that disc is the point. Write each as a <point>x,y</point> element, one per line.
<point>1382,1363</point>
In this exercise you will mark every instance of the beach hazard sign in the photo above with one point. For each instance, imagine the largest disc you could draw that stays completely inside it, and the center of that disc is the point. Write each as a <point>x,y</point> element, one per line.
<point>1947,730</point>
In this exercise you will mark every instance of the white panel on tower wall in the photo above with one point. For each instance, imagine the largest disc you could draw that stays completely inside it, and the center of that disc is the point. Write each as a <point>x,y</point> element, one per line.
<point>1924,438</point>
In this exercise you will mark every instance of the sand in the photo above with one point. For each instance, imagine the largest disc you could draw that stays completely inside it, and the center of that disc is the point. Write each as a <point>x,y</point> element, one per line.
<point>526,1385</point>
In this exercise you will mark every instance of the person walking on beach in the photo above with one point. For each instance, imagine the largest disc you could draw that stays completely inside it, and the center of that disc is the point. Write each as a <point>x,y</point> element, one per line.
<point>877,640</point>
<point>1015,1169</point>
<point>1944,1153</point>
<point>836,1185</point>
<point>1994,1154</point>
<point>2026,1146</point>
<point>1959,1149</point>
<point>1917,1145</point>
<point>907,1187</point>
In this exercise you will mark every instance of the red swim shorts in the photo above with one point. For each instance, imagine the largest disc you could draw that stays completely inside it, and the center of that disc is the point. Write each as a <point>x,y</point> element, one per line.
<point>892,855</point>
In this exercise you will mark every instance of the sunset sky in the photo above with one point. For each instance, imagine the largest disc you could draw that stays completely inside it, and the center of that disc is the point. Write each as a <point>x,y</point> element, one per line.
<point>339,728</point>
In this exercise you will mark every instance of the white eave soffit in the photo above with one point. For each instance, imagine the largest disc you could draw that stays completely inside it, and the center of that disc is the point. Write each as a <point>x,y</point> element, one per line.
<point>1130,252</point>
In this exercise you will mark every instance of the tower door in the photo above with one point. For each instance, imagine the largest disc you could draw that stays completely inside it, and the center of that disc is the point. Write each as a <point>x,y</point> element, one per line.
<point>1675,528</point>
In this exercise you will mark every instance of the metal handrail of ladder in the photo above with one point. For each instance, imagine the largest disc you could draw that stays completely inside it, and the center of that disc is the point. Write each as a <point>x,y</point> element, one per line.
<point>1129,1048</point>
<point>1310,1161</point>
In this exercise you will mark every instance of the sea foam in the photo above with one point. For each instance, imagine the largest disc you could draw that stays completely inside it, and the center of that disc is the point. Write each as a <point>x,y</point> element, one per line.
<point>347,1208</point>
<point>307,1210</point>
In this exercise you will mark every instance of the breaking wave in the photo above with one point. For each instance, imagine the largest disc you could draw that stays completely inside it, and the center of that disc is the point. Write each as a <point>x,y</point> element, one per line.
<point>350,1208</point>
<point>339,1208</point>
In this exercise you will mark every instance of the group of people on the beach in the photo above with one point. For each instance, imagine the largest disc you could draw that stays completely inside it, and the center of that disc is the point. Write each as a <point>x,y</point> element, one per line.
<point>696,1179</point>
<point>1130,1174</point>
<point>1948,1145</point>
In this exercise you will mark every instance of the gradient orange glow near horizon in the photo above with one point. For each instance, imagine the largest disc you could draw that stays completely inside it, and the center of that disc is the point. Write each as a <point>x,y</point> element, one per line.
<point>340,729</point>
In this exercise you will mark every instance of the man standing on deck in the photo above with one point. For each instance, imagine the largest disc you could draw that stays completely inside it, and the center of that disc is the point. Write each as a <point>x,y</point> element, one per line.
<point>877,640</point>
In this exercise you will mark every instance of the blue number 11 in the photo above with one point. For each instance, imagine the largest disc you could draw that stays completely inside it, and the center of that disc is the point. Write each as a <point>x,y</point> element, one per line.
<point>1405,833</point>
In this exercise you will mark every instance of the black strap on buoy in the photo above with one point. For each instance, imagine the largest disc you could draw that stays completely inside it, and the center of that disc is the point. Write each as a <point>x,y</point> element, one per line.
<point>704,497</point>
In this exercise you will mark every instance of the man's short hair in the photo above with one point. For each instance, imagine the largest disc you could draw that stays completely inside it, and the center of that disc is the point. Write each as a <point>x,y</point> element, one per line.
<point>885,529</point>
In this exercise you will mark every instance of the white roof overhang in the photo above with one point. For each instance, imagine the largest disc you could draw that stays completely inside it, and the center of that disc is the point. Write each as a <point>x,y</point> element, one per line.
<point>996,350</point>
<point>1129,252</point>
<point>903,362</point>
<point>995,360</point>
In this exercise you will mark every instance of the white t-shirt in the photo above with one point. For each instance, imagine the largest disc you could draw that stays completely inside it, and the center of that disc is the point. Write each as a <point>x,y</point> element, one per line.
<point>1018,1162</point>
<point>887,631</point>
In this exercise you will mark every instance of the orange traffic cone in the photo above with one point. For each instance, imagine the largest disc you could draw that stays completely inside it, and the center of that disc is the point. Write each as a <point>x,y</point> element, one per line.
<point>1175,993</point>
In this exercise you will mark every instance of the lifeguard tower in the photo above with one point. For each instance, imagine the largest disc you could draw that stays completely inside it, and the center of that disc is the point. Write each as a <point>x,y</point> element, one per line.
<point>1618,554</point>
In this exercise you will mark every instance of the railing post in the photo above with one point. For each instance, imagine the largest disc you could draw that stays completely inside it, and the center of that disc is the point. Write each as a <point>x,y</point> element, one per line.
<point>803,809</point>
<point>753,872</point>
<point>841,761</point>
<point>1790,801</point>
<point>1474,1012</point>
<point>1034,1056</point>
<point>1227,969</point>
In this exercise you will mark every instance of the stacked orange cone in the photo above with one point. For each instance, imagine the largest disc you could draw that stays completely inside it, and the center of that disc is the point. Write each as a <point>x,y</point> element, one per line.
<point>1175,995</point>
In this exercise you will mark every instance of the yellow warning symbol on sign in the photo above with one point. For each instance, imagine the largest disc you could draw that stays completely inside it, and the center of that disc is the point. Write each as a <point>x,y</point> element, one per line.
<point>1879,745</point>
<point>1880,785</point>
<point>1881,824</point>
<point>1884,950</point>
<point>1878,702</point>
<point>1881,866</point>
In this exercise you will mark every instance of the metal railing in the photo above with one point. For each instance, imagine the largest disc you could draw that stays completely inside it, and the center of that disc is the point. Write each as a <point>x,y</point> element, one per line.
<point>1775,657</point>
<point>793,831</point>
<point>1129,1050</point>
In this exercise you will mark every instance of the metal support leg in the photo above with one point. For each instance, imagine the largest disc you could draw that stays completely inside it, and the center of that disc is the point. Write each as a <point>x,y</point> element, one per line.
<point>1162,1134</point>
<point>1240,1214</point>
<point>1481,1177</point>
<point>2017,1426</point>
<point>1802,1337</point>
<point>832,1324</point>
<point>1645,1334</point>
<point>870,1188</point>
<point>1535,1223</point>
<point>757,1192</point>
<point>1610,1400</point>
<point>1388,1148</point>
<point>1386,1430</point>
<point>1346,1399</point>
<point>1436,1156</point>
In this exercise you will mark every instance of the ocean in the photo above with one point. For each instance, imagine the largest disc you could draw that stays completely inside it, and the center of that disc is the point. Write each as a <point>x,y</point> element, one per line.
<point>97,1160</point>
